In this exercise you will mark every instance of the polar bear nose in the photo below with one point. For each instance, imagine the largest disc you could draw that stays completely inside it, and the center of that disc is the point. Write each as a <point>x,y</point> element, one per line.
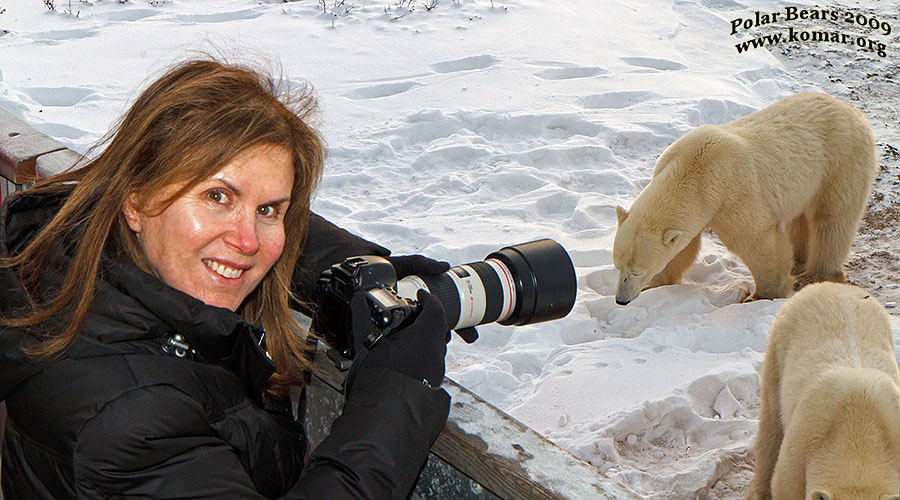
<point>622,302</point>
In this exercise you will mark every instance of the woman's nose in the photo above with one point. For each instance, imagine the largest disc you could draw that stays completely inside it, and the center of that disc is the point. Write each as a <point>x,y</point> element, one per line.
<point>243,234</point>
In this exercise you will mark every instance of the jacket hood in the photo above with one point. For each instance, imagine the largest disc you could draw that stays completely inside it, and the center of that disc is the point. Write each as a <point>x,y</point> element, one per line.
<point>132,311</point>
<point>21,218</point>
<point>23,215</point>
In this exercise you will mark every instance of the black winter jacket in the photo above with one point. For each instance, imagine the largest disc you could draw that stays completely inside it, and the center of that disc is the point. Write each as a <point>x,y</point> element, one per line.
<point>120,414</point>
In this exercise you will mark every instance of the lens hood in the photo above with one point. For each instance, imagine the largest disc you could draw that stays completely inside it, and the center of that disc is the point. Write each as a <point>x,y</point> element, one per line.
<point>544,280</point>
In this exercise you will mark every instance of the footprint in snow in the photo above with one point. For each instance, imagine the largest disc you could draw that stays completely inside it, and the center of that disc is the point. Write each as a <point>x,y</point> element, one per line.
<point>57,96</point>
<point>569,73</point>
<point>218,17</point>
<point>56,36</point>
<point>130,14</point>
<point>654,63</point>
<point>465,64</point>
<point>383,90</point>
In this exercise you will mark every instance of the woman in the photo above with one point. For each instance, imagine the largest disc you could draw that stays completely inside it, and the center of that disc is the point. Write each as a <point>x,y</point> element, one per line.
<point>146,343</point>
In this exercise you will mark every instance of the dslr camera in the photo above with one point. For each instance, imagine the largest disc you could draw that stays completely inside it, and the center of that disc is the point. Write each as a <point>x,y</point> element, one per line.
<point>516,285</point>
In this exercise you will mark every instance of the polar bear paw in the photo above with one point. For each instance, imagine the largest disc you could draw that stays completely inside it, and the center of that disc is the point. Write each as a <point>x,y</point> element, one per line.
<point>753,298</point>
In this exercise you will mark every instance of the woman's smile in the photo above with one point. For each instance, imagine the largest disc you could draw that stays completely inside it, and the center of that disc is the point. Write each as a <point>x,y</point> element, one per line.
<point>224,270</point>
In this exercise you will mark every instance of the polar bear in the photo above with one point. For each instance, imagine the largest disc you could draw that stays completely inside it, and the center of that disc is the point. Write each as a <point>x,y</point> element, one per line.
<point>783,188</point>
<point>829,424</point>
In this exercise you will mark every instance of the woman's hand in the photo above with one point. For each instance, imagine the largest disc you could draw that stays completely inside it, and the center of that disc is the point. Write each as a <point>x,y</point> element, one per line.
<point>408,265</point>
<point>416,350</point>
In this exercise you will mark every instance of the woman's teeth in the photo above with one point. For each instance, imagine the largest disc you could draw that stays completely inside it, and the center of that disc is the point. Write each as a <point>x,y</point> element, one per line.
<point>222,269</point>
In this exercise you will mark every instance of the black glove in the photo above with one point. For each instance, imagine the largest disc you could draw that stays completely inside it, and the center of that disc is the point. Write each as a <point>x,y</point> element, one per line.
<point>416,350</point>
<point>407,265</point>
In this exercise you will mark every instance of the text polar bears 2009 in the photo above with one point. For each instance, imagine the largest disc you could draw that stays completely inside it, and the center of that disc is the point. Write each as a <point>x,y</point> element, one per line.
<point>847,19</point>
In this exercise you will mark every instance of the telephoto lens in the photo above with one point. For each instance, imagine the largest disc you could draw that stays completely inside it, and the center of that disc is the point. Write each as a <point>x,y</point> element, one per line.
<point>517,285</point>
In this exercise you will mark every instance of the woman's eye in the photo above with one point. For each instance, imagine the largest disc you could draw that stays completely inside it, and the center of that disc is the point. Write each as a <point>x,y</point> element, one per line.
<point>218,196</point>
<point>267,211</point>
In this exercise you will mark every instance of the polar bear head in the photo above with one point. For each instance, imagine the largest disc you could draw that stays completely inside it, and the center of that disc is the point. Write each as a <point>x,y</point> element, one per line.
<point>641,249</point>
<point>860,471</point>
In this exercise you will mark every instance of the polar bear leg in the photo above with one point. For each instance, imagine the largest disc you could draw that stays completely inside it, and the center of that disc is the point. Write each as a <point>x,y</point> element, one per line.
<point>768,255</point>
<point>831,235</point>
<point>799,233</point>
<point>789,479</point>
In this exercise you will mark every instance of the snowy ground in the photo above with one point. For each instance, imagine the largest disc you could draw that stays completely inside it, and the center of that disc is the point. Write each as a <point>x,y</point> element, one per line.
<point>478,124</point>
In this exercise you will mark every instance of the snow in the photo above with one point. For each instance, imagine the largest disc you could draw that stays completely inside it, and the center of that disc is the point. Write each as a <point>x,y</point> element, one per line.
<point>478,124</point>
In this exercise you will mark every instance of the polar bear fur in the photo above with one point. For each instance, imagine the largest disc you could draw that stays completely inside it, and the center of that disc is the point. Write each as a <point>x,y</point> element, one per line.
<point>829,425</point>
<point>783,188</point>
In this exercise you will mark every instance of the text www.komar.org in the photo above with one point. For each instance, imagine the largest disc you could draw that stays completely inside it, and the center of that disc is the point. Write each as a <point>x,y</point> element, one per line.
<point>789,14</point>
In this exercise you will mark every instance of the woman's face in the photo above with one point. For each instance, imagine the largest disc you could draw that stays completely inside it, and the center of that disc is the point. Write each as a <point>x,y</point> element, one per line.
<point>217,241</point>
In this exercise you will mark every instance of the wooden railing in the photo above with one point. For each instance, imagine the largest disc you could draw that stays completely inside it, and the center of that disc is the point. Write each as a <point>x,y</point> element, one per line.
<point>481,454</point>
<point>26,155</point>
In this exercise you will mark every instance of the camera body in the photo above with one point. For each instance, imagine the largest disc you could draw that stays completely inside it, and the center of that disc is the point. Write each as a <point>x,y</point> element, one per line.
<point>516,285</point>
<point>375,277</point>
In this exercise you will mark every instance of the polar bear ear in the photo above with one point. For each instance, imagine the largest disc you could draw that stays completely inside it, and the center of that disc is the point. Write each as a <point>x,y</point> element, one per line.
<point>820,495</point>
<point>621,214</point>
<point>671,237</point>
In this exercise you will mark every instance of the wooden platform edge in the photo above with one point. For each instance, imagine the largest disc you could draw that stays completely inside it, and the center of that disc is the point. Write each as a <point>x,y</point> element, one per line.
<point>21,145</point>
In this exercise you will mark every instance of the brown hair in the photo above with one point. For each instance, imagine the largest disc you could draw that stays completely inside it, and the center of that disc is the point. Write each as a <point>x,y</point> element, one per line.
<point>182,129</point>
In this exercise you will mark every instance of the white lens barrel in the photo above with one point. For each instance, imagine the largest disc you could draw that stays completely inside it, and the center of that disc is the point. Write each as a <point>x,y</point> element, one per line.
<point>472,294</point>
<point>409,286</point>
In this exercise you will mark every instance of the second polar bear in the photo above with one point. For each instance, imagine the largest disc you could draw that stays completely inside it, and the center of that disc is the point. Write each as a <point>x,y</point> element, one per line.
<point>784,189</point>
<point>829,423</point>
